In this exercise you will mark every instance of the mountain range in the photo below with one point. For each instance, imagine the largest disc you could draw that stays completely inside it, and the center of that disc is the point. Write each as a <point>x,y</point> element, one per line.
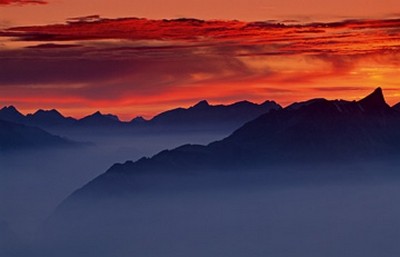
<point>203,114</point>
<point>315,131</point>
<point>315,155</point>
<point>198,117</point>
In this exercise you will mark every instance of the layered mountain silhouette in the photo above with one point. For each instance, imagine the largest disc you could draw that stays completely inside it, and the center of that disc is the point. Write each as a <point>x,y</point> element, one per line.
<point>10,113</point>
<point>316,131</point>
<point>98,119</point>
<point>203,114</point>
<point>198,117</point>
<point>49,118</point>
<point>41,118</point>
<point>15,136</point>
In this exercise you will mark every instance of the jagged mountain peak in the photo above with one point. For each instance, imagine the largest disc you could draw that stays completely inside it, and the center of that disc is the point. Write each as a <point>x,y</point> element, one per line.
<point>202,103</point>
<point>138,119</point>
<point>10,108</point>
<point>374,101</point>
<point>99,119</point>
<point>52,113</point>
<point>10,113</point>
<point>98,114</point>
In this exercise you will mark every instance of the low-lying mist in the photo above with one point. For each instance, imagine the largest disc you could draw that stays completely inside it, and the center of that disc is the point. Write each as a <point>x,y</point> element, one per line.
<point>346,210</point>
<point>34,182</point>
<point>291,211</point>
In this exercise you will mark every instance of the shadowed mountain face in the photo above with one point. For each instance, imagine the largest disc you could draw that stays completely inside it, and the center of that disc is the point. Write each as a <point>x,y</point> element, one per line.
<point>319,131</point>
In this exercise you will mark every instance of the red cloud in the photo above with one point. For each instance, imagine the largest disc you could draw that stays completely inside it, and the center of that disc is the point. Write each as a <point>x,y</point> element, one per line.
<point>21,2</point>
<point>346,37</point>
<point>145,62</point>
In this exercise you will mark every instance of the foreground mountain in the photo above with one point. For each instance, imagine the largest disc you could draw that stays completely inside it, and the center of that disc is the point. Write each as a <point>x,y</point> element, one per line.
<point>15,136</point>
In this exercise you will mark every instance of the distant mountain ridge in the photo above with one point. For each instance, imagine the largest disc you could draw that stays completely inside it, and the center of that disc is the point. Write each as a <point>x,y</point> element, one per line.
<point>10,113</point>
<point>200,116</point>
<point>99,119</point>
<point>204,113</point>
<point>49,118</point>
<point>41,118</point>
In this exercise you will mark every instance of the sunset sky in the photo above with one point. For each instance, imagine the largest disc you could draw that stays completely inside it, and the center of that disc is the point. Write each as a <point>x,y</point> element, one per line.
<point>83,56</point>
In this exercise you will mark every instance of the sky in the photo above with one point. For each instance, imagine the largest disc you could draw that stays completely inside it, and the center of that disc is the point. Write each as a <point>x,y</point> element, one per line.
<point>135,58</point>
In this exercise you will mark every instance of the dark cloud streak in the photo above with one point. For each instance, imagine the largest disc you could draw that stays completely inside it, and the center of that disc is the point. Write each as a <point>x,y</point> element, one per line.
<point>21,2</point>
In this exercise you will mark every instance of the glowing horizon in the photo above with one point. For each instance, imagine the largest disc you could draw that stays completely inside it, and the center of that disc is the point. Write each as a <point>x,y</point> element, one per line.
<point>140,67</point>
<point>78,114</point>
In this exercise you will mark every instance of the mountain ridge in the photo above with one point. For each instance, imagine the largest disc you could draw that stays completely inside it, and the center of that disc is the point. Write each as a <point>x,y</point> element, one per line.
<point>198,116</point>
<point>318,132</point>
<point>203,112</point>
<point>313,145</point>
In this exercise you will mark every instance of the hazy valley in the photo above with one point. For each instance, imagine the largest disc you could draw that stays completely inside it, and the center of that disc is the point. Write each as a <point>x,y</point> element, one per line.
<point>318,178</point>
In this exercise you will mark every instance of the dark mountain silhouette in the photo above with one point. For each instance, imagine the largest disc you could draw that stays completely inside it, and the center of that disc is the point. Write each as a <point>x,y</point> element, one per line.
<point>41,118</point>
<point>198,117</point>
<point>48,118</point>
<point>317,144</point>
<point>98,119</point>
<point>296,105</point>
<point>10,113</point>
<point>319,131</point>
<point>396,107</point>
<point>138,121</point>
<point>323,130</point>
<point>205,115</point>
<point>15,136</point>
<point>375,103</point>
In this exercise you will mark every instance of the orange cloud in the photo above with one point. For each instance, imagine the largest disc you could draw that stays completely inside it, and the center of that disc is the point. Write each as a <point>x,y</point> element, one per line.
<point>143,66</point>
